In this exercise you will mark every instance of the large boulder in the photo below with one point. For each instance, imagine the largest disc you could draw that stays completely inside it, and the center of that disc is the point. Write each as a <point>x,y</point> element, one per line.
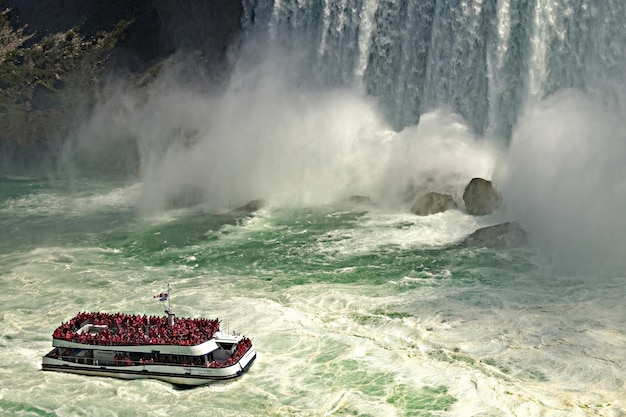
<point>481,197</point>
<point>250,206</point>
<point>431,203</point>
<point>500,236</point>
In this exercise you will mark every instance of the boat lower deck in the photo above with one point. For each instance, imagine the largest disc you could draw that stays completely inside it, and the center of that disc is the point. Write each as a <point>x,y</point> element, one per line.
<point>180,375</point>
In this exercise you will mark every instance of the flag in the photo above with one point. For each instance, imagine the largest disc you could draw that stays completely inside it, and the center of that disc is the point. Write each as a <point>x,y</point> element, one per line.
<point>162,297</point>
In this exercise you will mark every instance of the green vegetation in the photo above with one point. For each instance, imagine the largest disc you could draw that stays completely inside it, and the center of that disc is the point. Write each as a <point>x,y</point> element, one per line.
<point>42,81</point>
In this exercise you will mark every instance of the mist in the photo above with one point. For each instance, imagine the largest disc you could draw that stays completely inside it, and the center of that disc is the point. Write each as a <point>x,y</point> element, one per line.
<point>266,135</point>
<point>564,180</point>
<point>269,136</point>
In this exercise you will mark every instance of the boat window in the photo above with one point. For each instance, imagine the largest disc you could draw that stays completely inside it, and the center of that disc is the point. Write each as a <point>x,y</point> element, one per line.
<point>225,346</point>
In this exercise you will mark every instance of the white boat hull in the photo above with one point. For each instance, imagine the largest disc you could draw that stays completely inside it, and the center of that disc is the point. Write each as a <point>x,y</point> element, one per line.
<point>177,375</point>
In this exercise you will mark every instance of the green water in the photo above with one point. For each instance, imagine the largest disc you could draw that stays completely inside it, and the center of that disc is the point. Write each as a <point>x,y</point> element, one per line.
<point>354,310</point>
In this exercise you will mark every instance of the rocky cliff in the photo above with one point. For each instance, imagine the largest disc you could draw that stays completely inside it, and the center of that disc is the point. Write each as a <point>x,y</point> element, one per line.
<point>54,55</point>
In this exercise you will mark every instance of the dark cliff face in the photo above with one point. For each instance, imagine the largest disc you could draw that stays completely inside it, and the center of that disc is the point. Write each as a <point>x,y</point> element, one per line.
<point>205,27</point>
<point>158,29</point>
<point>72,44</point>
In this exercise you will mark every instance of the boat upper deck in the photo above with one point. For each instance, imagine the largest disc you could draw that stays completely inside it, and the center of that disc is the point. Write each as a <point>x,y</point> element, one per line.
<point>119,329</point>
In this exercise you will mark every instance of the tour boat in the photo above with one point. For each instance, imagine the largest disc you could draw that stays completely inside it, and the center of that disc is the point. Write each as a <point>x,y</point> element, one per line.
<point>181,351</point>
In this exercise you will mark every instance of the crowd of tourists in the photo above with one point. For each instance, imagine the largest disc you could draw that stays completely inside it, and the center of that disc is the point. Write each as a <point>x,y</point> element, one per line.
<point>242,347</point>
<point>125,329</point>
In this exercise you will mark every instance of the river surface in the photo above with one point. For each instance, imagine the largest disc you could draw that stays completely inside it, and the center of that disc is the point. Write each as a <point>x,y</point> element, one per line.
<point>354,310</point>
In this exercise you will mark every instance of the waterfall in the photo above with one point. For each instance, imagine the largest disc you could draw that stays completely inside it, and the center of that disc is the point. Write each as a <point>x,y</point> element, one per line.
<point>483,59</point>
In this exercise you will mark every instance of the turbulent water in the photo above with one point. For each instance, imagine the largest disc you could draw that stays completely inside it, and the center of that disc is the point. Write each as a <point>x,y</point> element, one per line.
<point>354,309</point>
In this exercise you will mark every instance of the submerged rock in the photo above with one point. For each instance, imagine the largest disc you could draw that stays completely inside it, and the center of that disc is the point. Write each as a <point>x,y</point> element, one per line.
<point>501,236</point>
<point>481,197</point>
<point>251,206</point>
<point>431,203</point>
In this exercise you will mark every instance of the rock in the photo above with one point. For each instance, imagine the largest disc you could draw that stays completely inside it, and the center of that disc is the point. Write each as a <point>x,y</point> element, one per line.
<point>481,197</point>
<point>501,236</point>
<point>251,206</point>
<point>58,84</point>
<point>158,27</point>
<point>431,203</point>
<point>57,56</point>
<point>21,99</point>
<point>44,98</point>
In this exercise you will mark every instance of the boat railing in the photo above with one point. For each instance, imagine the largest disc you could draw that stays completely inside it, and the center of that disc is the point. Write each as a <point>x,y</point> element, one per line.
<point>129,362</point>
<point>96,362</point>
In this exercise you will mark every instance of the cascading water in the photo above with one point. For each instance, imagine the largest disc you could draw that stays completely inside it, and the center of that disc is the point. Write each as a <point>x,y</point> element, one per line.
<point>484,59</point>
<point>356,306</point>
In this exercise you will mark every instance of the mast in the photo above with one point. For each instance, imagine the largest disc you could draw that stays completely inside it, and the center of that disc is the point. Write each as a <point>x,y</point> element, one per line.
<point>169,297</point>
<point>170,313</point>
